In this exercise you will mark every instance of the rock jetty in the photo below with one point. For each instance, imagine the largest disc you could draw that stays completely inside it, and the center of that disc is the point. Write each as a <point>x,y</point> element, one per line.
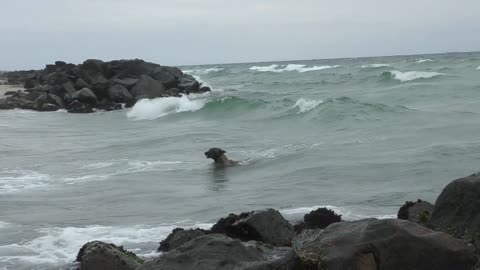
<point>96,85</point>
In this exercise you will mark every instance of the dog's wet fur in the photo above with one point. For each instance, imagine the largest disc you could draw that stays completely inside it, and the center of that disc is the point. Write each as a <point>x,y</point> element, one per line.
<point>219,157</point>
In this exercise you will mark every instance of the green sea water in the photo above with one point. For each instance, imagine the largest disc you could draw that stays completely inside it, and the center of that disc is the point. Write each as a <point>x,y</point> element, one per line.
<point>360,135</point>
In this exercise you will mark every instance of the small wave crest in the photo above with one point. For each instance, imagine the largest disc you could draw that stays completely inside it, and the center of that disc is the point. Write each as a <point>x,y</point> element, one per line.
<point>290,67</point>
<point>421,60</point>
<point>375,65</point>
<point>305,105</point>
<point>478,68</point>
<point>409,75</point>
<point>18,180</point>
<point>150,109</point>
<point>204,71</point>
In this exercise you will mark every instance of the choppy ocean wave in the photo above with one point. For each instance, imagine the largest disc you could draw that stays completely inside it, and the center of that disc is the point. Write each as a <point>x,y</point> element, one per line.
<point>409,75</point>
<point>375,65</point>
<point>305,105</point>
<point>150,109</point>
<point>60,245</point>
<point>204,71</point>
<point>290,67</point>
<point>19,180</point>
<point>423,60</point>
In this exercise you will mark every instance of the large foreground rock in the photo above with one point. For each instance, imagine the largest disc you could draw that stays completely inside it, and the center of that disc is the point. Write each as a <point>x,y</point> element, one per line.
<point>268,226</point>
<point>179,237</point>
<point>98,255</point>
<point>217,251</point>
<point>417,212</point>
<point>457,209</point>
<point>390,244</point>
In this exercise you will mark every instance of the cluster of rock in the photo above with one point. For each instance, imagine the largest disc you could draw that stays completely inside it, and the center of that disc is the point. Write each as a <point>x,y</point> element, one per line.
<point>424,236</point>
<point>95,84</point>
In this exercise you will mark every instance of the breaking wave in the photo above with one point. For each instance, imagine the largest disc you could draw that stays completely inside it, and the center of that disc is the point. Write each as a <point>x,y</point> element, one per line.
<point>19,180</point>
<point>409,75</point>
<point>423,60</point>
<point>150,109</point>
<point>290,67</point>
<point>305,105</point>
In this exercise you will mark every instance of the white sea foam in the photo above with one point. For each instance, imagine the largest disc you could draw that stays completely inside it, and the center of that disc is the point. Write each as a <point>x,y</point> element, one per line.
<point>203,71</point>
<point>4,224</point>
<point>150,109</point>
<point>60,245</point>
<point>423,60</point>
<point>375,65</point>
<point>305,105</point>
<point>414,75</point>
<point>19,180</point>
<point>478,68</point>
<point>347,214</point>
<point>290,67</point>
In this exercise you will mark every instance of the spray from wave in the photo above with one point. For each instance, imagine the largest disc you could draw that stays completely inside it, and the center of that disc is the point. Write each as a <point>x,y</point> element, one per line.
<point>204,71</point>
<point>150,109</point>
<point>409,75</point>
<point>478,68</point>
<point>290,67</point>
<point>20,180</point>
<point>304,105</point>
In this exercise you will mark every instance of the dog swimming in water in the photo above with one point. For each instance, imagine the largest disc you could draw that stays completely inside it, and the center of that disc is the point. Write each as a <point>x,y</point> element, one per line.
<point>219,157</point>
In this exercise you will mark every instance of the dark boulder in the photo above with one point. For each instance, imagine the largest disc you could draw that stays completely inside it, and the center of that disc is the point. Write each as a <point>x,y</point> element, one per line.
<point>68,88</point>
<point>179,237</point>
<point>29,83</point>
<point>118,93</point>
<point>125,82</point>
<point>417,212</point>
<point>85,95</point>
<point>16,102</point>
<point>98,255</point>
<point>55,78</point>
<point>373,244</point>
<point>60,64</point>
<point>173,92</point>
<point>81,83</point>
<point>162,75</point>
<point>147,87</point>
<point>216,251</point>
<point>321,218</point>
<point>12,93</point>
<point>456,210</point>
<point>176,72</point>
<point>108,105</point>
<point>188,84</point>
<point>78,107</point>
<point>268,226</point>
<point>46,98</point>
<point>49,107</point>
<point>204,89</point>
<point>93,66</point>
<point>130,68</point>
<point>98,82</point>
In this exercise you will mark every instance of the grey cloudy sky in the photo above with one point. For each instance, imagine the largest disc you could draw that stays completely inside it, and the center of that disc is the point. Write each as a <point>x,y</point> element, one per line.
<point>36,32</point>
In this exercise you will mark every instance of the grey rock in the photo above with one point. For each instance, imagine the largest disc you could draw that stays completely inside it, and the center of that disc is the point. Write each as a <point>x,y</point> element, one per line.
<point>118,93</point>
<point>46,98</point>
<point>78,107</point>
<point>417,212</point>
<point>85,95</point>
<point>162,75</point>
<point>390,244</point>
<point>188,84</point>
<point>268,226</point>
<point>216,251</point>
<point>179,237</point>
<point>81,83</point>
<point>126,82</point>
<point>49,107</point>
<point>456,210</point>
<point>147,87</point>
<point>98,255</point>
<point>69,88</point>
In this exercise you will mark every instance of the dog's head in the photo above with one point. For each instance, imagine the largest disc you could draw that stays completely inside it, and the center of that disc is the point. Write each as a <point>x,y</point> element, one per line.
<point>214,153</point>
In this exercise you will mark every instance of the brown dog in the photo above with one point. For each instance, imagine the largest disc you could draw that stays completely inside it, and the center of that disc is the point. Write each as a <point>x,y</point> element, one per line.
<point>218,156</point>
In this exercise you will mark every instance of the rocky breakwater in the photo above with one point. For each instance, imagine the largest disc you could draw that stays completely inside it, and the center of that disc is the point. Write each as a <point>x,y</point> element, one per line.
<point>95,84</point>
<point>443,236</point>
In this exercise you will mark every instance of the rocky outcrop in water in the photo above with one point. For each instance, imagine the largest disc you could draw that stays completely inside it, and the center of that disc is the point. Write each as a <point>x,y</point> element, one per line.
<point>95,84</point>
<point>418,212</point>
<point>98,255</point>
<point>265,240</point>
<point>372,244</point>
<point>217,251</point>
<point>457,209</point>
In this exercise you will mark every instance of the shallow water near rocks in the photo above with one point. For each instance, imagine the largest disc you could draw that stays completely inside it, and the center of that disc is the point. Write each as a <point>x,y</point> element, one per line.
<point>360,136</point>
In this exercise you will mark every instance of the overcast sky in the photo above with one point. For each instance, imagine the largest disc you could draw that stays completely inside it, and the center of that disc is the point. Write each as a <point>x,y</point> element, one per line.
<point>176,32</point>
